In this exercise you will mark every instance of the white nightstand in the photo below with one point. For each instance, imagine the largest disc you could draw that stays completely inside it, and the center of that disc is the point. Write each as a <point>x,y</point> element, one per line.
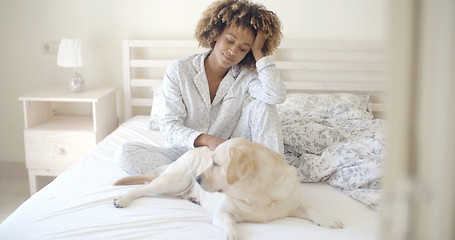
<point>58,131</point>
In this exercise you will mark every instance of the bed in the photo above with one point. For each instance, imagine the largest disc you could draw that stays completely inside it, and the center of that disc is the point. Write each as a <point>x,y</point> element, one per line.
<point>333,135</point>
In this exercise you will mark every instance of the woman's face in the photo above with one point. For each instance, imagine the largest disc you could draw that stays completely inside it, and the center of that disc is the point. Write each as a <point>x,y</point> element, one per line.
<point>232,46</point>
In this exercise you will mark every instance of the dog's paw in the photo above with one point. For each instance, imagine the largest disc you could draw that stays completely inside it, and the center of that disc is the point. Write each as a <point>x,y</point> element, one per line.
<point>330,223</point>
<point>121,202</point>
<point>231,235</point>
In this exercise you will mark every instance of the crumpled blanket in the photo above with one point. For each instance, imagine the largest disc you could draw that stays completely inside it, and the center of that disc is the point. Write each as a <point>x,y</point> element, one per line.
<point>346,153</point>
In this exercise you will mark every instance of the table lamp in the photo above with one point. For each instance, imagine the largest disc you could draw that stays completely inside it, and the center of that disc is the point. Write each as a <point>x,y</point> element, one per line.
<point>70,55</point>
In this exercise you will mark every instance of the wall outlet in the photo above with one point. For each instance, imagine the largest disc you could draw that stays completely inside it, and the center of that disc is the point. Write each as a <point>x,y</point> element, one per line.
<point>49,47</point>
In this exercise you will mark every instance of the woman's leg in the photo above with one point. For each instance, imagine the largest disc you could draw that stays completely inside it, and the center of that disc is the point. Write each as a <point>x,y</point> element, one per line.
<point>260,123</point>
<point>141,158</point>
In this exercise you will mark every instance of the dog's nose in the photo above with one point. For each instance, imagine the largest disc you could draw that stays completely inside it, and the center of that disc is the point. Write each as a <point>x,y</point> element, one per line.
<point>198,179</point>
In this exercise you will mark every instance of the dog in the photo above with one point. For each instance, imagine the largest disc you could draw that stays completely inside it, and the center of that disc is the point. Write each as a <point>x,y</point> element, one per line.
<point>240,181</point>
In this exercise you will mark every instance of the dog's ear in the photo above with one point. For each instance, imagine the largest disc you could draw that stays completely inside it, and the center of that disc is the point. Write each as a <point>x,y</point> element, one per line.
<point>241,164</point>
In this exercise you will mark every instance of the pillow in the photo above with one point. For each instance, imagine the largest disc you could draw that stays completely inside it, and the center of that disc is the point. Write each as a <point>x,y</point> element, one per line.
<point>336,105</point>
<point>157,106</point>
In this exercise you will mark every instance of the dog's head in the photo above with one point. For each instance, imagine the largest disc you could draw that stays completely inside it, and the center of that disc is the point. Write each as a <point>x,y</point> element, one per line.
<point>232,161</point>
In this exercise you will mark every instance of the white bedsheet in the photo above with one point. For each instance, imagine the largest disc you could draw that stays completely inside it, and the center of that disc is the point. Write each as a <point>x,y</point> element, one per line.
<point>78,205</point>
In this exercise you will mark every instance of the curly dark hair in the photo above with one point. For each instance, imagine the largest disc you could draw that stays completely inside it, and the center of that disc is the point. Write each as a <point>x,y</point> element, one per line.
<point>241,14</point>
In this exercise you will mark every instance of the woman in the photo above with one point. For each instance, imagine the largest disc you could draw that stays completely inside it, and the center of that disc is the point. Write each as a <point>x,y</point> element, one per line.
<point>208,96</point>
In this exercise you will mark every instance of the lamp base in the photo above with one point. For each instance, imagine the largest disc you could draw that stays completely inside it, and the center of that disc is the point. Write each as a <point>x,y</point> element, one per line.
<point>76,83</point>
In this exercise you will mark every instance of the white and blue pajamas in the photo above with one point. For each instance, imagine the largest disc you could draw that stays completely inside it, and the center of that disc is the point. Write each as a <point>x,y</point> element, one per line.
<point>189,112</point>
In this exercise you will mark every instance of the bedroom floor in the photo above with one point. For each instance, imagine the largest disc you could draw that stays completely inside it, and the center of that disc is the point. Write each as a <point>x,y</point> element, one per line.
<point>14,188</point>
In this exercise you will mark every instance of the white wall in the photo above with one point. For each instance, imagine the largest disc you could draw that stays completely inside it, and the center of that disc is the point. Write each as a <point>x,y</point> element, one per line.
<point>24,24</point>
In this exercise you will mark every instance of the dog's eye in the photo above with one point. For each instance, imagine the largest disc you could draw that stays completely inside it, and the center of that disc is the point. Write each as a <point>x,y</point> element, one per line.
<point>215,164</point>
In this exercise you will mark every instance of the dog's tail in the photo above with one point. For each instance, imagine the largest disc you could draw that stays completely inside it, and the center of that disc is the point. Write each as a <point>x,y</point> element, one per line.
<point>135,180</point>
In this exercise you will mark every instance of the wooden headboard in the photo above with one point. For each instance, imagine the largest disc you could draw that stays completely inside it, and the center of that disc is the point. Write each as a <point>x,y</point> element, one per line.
<point>305,66</point>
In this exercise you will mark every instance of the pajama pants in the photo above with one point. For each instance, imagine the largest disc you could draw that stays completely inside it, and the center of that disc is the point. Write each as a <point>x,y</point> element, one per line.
<point>258,123</point>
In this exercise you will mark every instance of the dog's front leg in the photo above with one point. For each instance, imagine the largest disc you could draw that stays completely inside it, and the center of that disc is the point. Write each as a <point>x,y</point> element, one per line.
<point>226,221</point>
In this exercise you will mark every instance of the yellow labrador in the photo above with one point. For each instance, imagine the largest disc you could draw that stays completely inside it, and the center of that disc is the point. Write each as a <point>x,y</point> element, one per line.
<point>241,182</point>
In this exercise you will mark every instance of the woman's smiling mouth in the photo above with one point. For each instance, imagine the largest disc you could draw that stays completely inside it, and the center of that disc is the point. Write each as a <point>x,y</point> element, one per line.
<point>228,58</point>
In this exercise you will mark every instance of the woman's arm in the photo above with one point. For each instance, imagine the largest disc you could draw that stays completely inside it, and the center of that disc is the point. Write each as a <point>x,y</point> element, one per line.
<point>172,125</point>
<point>268,87</point>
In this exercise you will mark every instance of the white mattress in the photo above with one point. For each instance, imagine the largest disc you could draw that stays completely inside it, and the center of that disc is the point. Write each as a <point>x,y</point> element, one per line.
<point>78,205</point>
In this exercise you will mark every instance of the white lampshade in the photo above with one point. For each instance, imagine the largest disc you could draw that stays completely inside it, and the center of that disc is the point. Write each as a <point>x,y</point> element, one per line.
<point>70,53</point>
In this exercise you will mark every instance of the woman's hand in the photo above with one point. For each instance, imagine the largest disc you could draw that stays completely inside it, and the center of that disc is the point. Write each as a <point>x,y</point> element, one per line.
<point>257,45</point>
<point>208,140</point>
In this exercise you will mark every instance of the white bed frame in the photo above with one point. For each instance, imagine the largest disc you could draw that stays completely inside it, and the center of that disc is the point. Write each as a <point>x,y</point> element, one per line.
<point>305,66</point>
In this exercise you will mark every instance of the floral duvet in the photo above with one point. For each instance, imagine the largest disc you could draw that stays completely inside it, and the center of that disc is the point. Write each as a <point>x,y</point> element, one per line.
<point>333,138</point>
